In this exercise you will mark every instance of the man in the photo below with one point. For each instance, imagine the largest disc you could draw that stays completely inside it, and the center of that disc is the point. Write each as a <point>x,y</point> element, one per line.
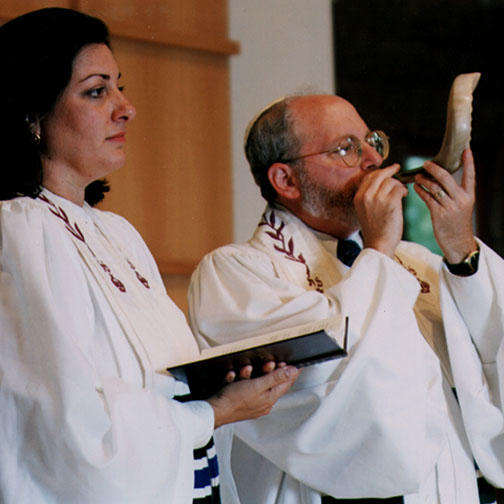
<point>385,422</point>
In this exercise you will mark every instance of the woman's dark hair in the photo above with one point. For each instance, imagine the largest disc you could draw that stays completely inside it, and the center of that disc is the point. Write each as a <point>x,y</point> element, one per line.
<point>37,51</point>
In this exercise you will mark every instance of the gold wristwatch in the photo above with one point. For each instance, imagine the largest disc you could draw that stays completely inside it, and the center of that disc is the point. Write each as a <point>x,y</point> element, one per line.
<point>467,267</point>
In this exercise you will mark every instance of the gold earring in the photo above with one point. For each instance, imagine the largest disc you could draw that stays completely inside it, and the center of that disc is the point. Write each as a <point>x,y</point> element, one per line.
<point>32,126</point>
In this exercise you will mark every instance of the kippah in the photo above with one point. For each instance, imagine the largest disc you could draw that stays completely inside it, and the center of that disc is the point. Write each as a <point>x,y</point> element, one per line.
<point>256,118</point>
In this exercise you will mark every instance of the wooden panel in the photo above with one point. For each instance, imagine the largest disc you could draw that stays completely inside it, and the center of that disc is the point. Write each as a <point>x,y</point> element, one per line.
<point>175,187</point>
<point>176,286</point>
<point>13,8</point>
<point>193,24</point>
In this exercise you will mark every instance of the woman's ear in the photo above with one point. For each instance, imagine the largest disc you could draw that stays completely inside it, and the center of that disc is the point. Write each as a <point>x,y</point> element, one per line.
<point>284,180</point>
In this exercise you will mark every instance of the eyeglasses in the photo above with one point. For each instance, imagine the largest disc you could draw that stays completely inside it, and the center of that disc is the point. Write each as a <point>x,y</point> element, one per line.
<point>350,148</point>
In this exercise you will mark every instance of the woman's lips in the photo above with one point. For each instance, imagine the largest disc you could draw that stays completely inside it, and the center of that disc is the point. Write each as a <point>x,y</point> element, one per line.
<point>119,137</point>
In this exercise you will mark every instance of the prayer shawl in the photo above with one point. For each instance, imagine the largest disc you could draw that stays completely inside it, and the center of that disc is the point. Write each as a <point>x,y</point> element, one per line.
<point>85,326</point>
<point>384,421</point>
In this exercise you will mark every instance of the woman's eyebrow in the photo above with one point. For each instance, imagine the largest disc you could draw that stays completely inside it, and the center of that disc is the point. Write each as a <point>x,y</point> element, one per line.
<point>103,76</point>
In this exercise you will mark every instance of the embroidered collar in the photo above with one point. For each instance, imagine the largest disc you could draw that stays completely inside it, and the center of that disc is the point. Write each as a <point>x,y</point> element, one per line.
<point>290,238</point>
<point>55,205</point>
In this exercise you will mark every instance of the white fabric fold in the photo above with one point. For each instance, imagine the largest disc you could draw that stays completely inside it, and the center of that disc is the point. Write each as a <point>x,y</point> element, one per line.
<point>474,328</point>
<point>382,422</point>
<point>84,417</point>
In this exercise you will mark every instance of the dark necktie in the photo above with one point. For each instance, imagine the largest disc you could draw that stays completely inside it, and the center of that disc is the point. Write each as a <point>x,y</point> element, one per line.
<point>347,251</point>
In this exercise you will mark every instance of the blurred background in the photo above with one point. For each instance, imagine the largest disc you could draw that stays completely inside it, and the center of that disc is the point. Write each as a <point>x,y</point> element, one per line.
<point>397,64</point>
<point>198,71</point>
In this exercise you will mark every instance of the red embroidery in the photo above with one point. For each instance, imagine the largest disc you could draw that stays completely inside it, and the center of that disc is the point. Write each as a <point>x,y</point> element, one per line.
<point>425,286</point>
<point>77,233</point>
<point>142,280</point>
<point>61,214</point>
<point>113,279</point>
<point>288,248</point>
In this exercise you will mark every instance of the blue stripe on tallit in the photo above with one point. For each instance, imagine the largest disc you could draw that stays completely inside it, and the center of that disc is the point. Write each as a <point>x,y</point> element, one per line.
<point>206,477</point>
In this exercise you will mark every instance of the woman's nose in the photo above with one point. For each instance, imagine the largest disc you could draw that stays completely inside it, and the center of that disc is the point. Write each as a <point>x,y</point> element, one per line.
<point>124,109</point>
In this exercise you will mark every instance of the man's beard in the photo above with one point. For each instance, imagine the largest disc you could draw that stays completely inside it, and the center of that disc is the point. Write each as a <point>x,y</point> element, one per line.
<point>328,204</point>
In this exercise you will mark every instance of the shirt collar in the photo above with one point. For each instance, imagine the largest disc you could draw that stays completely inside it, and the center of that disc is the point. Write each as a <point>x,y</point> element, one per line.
<point>330,243</point>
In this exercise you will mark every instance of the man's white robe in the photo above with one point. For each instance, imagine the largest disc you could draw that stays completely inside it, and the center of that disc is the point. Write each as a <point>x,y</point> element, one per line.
<point>384,421</point>
<point>85,323</point>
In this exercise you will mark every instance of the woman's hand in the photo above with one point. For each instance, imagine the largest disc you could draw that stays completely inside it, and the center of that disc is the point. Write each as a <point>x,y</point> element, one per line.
<point>247,399</point>
<point>451,207</point>
<point>246,371</point>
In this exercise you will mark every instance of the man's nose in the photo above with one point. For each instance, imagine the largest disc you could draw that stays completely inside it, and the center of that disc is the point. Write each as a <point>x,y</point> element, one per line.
<point>371,159</point>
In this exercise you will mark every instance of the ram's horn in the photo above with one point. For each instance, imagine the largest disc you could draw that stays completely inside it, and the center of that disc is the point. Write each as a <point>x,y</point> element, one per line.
<point>457,133</point>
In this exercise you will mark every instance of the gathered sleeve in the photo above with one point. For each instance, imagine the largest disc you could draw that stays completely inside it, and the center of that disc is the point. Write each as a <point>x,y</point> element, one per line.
<point>474,324</point>
<point>70,432</point>
<point>368,424</point>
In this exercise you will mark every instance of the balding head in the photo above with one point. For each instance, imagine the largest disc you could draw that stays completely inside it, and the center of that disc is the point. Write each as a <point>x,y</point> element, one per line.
<point>311,114</point>
<point>282,130</point>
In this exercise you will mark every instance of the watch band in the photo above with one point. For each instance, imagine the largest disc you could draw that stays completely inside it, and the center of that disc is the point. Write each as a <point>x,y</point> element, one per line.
<point>467,267</point>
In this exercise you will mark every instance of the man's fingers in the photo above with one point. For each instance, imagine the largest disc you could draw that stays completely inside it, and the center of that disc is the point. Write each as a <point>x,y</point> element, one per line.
<point>376,177</point>
<point>441,185</point>
<point>469,175</point>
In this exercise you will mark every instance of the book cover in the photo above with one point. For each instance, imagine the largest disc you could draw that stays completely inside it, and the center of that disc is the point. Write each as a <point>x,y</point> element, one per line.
<point>298,346</point>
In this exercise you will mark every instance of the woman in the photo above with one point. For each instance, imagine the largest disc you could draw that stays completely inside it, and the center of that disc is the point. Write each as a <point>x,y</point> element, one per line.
<point>85,320</point>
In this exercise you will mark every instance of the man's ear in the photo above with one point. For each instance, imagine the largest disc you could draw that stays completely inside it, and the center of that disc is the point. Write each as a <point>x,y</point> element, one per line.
<point>284,180</point>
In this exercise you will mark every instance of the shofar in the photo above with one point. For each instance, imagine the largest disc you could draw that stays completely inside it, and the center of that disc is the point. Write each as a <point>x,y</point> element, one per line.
<point>457,133</point>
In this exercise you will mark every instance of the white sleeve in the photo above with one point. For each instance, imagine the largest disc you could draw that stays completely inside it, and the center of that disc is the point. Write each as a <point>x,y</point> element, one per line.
<point>363,425</point>
<point>479,299</point>
<point>474,324</point>
<point>69,434</point>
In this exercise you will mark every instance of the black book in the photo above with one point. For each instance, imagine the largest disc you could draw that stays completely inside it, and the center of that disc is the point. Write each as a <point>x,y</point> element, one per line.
<point>298,346</point>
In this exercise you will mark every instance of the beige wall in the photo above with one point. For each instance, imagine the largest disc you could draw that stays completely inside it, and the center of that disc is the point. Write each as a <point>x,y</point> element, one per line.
<point>286,47</point>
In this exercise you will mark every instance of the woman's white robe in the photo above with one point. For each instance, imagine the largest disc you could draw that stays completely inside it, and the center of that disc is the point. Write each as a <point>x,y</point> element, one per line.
<point>85,323</point>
